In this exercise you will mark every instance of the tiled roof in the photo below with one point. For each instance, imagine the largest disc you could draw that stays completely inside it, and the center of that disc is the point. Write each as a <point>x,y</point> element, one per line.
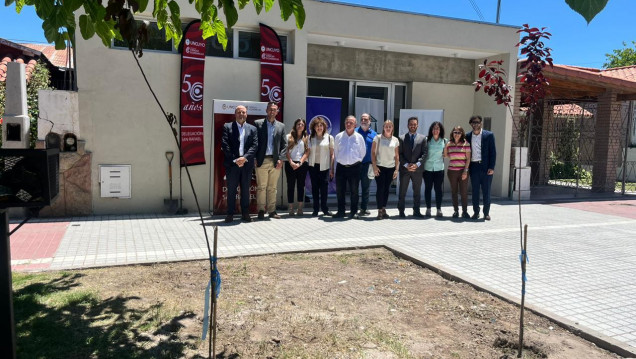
<point>4,59</point>
<point>58,58</point>
<point>622,77</point>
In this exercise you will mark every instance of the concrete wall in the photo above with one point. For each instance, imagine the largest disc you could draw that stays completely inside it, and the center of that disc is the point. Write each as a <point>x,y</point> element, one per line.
<point>59,113</point>
<point>434,96</point>
<point>350,63</point>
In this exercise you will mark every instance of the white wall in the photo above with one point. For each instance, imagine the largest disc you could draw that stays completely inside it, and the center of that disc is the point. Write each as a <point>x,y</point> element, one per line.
<point>59,113</point>
<point>457,101</point>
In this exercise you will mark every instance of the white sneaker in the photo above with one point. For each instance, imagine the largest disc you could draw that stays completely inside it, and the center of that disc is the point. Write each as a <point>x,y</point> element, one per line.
<point>439,213</point>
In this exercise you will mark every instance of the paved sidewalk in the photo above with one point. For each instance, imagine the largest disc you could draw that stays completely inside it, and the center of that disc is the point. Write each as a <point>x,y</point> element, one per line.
<point>582,254</point>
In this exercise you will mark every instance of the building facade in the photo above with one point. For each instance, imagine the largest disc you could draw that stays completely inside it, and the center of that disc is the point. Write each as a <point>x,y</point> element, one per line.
<point>411,61</point>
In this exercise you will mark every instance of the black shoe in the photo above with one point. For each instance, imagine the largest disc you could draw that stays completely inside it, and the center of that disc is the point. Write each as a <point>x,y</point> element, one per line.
<point>229,218</point>
<point>455,214</point>
<point>364,212</point>
<point>274,215</point>
<point>465,215</point>
<point>487,217</point>
<point>339,215</point>
<point>418,214</point>
<point>261,215</point>
<point>246,218</point>
<point>327,213</point>
<point>402,215</point>
<point>314,214</point>
<point>354,216</point>
<point>475,216</point>
<point>385,215</point>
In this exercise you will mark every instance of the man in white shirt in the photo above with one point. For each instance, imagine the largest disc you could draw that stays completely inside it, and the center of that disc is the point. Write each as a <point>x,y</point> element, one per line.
<point>349,150</point>
<point>239,143</point>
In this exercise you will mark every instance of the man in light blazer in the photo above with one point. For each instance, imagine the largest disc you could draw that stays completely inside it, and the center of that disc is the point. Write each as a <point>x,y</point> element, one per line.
<point>239,143</point>
<point>272,148</point>
<point>482,164</point>
<point>413,151</point>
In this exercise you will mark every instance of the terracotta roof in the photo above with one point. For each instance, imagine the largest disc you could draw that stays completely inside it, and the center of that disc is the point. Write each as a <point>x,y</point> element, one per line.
<point>571,110</point>
<point>58,58</point>
<point>4,59</point>
<point>621,77</point>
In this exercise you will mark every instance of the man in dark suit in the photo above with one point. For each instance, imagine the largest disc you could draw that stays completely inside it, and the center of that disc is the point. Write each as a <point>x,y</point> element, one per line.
<point>413,151</point>
<point>272,147</point>
<point>239,144</point>
<point>482,164</point>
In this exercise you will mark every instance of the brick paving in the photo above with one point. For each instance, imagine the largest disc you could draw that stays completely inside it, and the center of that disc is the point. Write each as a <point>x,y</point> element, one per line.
<point>582,255</point>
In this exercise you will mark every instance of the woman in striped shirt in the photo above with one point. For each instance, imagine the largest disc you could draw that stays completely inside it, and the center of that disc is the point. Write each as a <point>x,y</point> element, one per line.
<point>458,151</point>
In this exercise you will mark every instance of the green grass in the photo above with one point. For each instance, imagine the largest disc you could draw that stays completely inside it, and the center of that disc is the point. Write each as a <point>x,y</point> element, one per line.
<point>57,318</point>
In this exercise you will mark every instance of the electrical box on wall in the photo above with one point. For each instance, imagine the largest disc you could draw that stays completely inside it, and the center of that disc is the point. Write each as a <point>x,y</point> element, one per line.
<point>115,181</point>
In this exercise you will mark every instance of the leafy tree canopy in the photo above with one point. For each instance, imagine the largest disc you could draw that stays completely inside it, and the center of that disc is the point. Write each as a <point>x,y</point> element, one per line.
<point>116,19</point>
<point>621,57</point>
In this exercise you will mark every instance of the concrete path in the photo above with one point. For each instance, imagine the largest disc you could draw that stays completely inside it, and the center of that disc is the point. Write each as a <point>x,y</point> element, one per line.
<point>582,254</point>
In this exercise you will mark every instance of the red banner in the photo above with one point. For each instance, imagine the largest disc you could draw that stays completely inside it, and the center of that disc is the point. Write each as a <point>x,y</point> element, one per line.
<point>272,69</point>
<point>191,104</point>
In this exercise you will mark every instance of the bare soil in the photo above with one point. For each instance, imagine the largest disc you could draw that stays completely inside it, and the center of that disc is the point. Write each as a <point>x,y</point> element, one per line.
<point>350,304</point>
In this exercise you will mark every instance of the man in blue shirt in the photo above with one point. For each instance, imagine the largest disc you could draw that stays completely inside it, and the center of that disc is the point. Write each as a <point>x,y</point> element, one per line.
<point>368,134</point>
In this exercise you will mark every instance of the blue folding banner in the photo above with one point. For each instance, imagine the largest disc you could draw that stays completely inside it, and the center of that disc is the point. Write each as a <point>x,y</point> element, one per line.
<point>329,109</point>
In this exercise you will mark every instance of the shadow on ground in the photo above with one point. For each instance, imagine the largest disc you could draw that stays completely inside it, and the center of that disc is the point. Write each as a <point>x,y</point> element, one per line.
<point>55,318</point>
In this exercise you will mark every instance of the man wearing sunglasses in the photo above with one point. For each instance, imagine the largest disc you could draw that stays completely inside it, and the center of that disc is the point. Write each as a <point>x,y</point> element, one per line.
<point>482,164</point>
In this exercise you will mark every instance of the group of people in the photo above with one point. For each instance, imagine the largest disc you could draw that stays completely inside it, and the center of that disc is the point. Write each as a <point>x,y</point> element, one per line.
<point>354,158</point>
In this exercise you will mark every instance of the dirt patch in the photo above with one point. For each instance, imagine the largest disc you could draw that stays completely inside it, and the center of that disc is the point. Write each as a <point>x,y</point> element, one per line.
<point>353,304</point>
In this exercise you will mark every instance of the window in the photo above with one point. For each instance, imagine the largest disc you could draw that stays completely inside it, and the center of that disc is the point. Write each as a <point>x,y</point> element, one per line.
<point>156,39</point>
<point>214,48</point>
<point>249,45</point>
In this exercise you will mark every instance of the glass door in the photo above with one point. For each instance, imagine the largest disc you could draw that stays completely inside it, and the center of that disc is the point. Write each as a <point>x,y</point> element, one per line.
<point>376,99</point>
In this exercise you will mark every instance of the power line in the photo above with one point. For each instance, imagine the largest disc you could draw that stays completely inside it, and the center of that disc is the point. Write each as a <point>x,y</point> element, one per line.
<point>477,10</point>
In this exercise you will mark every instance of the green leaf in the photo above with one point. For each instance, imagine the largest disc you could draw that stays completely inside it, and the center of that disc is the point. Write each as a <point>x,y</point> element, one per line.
<point>160,5</point>
<point>60,42</point>
<point>221,36</point>
<point>285,9</point>
<point>44,8</point>
<point>143,4</point>
<point>231,14</point>
<point>105,31</point>
<point>299,13</point>
<point>72,5</point>
<point>9,2</point>
<point>258,5</point>
<point>269,4</point>
<point>86,27</point>
<point>50,30</point>
<point>587,8</point>
<point>243,3</point>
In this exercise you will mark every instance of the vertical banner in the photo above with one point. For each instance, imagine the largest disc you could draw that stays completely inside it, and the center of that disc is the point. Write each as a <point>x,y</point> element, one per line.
<point>272,69</point>
<point>191,104</point>
<point>224,113</point>
<point>328,108</point>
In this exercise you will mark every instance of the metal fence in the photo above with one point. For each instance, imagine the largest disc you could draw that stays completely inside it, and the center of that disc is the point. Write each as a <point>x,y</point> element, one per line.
<point>577,146</point>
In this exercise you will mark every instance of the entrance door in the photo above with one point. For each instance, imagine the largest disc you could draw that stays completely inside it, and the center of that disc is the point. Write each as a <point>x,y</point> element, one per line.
<point>374,99</point>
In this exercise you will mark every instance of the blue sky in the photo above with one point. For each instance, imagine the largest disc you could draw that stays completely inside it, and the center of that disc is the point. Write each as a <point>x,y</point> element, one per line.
<point>574,42</point>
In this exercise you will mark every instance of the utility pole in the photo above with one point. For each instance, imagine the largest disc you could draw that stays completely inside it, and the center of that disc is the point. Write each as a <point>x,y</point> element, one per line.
<point>498,10</point>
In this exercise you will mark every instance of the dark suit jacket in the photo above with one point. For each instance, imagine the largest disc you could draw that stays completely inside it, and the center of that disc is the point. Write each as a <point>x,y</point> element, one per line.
<point>415,154</point>
<point>279,145</point>
<point>230,143</point>
<point>488,150</point>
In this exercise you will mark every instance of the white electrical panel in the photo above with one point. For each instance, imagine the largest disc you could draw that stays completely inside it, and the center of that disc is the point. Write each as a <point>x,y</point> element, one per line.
<point>115,181</point>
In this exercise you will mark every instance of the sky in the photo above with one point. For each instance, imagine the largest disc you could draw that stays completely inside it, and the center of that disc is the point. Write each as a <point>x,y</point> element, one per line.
<point>573,41</point>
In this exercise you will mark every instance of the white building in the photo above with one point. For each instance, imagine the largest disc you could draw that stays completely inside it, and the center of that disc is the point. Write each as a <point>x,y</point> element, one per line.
<point>409,60</point>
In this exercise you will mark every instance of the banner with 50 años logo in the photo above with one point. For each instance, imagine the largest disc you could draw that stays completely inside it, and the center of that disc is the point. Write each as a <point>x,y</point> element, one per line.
<point>271,68</point>
<point>191,104</point>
